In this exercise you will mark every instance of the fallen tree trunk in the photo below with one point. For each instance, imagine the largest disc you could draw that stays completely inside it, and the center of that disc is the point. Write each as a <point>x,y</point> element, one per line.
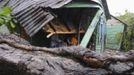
<point>88,56</point>
<point>30,59</point>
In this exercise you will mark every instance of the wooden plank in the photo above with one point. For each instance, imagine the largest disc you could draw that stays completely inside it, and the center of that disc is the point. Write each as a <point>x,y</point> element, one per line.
<point>71,32</point>
<point>47,28</point>
<point>91,29</point>
<point>62,33</point>
<point>60,29</point>
<point>59,26</point>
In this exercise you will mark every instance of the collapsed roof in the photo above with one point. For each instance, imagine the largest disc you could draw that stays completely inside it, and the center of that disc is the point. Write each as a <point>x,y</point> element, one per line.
<point>34,14</point>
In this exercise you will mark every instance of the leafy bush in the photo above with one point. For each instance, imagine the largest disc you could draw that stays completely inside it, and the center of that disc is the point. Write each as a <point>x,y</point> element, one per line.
<point>118,37</point>
<point>127,18</point>
<point>7,19</point>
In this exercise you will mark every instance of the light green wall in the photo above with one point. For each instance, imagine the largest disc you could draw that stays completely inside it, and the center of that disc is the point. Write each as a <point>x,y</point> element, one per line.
<point>111,40</point>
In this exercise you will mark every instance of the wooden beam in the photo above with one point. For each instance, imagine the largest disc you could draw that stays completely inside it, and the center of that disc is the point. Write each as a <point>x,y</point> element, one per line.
<point>63,33</point>
<point>91,29</point>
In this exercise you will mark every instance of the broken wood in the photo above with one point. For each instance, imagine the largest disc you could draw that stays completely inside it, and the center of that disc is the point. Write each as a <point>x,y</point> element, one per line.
<point>56,27</point>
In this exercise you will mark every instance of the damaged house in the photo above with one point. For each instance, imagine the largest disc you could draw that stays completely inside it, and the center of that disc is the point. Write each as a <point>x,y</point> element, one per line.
<point>58,23</point>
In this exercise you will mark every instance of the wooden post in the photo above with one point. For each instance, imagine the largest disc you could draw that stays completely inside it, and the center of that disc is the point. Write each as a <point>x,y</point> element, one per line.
<point>90,29</point>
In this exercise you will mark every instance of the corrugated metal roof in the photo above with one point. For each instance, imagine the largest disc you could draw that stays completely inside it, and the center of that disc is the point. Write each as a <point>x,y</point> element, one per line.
<point>33,19</point>
<point>30,13</point>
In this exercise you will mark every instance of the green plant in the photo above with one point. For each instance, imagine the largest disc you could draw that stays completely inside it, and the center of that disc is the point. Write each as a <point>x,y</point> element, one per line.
<point>7,19</point>
<point>127,18</point>
<point>126,39</point>
<point>127,44</point>
<point>118,37</point>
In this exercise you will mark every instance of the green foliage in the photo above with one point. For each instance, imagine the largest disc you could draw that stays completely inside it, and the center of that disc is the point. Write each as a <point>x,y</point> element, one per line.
<point>127,18</point>
<point>118,37</point>
<point>7,19</point>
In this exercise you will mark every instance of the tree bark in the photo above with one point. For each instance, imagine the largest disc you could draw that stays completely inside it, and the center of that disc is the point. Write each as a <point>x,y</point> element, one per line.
<point>22,55</point>
<point>86,55</point>
<point>90,57</point>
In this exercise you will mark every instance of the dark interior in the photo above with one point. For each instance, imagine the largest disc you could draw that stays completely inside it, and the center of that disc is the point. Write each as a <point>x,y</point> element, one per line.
<point>76,17</point>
